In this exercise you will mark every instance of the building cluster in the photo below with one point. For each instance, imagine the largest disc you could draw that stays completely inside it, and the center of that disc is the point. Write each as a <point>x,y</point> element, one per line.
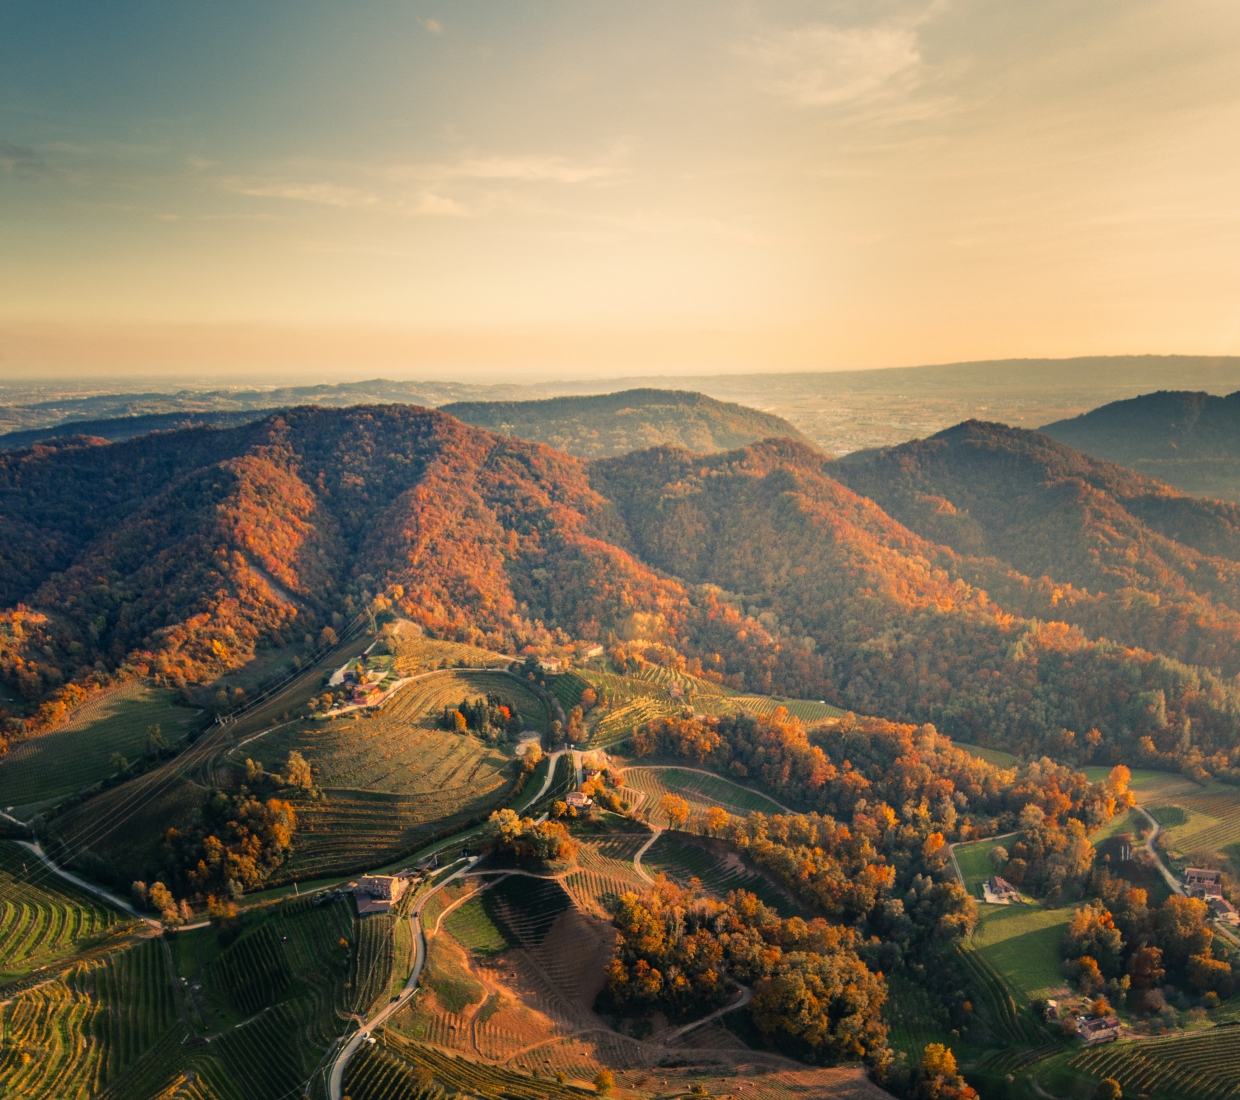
<point>1002,890</point>
<point>1201,882</point>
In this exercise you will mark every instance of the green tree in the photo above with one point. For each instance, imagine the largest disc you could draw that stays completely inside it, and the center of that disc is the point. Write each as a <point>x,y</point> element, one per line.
<point>118,762</point>
<point>155,739</point>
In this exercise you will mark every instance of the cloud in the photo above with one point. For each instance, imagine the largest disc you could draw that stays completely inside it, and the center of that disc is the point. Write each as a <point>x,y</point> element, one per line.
<point>823,65</point>
<point>512,169</point>
<point>423,203</point>
<point>432,26</point>
<point>20,160</point>
<point>321,194</point>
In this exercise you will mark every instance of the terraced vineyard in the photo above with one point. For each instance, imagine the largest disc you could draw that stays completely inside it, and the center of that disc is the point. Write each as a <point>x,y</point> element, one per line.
<point>399,747</point>
<point>415,654</point>
<point>1206,817</point>
<point>606,873</point>
<point>68,1037</point>
<point>40,771</point>
<point>681,858</point>
<point>1005,1018</point>
<point>374,1073</point>
<point>43,923</point>
<point>808,710</point>
<point>912,1019</point>
<point>1205,1066</point>
<point>253,970</point>
<point>700,790</point>
<point>467,1077</point>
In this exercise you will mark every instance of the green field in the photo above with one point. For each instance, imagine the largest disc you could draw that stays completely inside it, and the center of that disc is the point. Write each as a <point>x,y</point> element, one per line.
<point>472,927</point>
<point>399,748</point>
<point>45,768</point>
<point>974,860</point>
<point>1197,817</point>
<point>1024,943</point>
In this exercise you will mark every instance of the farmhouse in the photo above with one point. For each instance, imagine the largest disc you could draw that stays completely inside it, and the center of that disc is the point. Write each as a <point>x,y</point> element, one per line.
<point>378,893</point>
<point>1002,889</point>
<point>1200,882</point>
<point>549,664</point>
<point>1221,909</point>
<point>592,651</point>
<point>577,800</point>
<point>1100,1030</point>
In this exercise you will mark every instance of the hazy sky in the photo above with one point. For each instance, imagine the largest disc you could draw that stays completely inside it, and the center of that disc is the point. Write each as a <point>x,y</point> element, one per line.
<point>541,189</point>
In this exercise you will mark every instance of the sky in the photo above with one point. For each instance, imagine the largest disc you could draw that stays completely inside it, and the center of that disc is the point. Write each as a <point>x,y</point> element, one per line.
<point>527,190</point>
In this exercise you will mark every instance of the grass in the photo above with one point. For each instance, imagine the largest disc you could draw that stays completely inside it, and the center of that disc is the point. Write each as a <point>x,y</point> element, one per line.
<point>38,772</point>
<point>1024,945</point>
<point>974,860</point>
<point>472,927</point>
<point>452,984</point>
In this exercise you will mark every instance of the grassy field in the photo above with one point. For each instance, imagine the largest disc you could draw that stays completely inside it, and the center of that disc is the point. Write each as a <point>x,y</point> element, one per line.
<point>473,928</point>
<point>40,771</point>
<point>1196,817</point>
<point>1024,944</point>
<point>974,860</point>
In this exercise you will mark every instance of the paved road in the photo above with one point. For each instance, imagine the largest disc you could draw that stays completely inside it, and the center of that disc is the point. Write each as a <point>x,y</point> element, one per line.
<point>335,1079</point>
<point>637,857</point>
<point>98,891</point>
<point>1172,881</point>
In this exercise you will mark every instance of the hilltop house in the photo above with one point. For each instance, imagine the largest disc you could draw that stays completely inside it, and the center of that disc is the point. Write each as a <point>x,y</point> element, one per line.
<point>1101,1029</point>
<point>1199,882</point>
<point>378,893</point>
<point>1002,889</point>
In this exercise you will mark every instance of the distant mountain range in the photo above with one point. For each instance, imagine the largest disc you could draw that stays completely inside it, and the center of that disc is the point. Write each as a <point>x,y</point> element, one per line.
<point>610,424</point>
<point>1188,439</point>
<point>988,580</point>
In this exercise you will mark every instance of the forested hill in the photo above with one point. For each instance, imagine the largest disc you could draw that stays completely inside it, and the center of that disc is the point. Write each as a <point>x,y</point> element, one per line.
<point>1190,440</point>
<point>1061,535</point>
<point>615,423</point>
<point>186,554</point>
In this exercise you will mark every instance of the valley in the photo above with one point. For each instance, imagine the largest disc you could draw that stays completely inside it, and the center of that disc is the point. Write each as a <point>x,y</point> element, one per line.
<point>691,768</point>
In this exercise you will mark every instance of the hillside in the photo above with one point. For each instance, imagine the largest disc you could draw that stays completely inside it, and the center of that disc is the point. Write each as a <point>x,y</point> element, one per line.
<point>193,554</point>
<point>1189,440</point>
<point>1057,534</point>
<point>609,424</point>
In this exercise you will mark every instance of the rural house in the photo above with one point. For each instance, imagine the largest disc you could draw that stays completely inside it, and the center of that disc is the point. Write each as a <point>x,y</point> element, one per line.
<point>577,800</point>
<point>1092,1030</point>
<point>1002,889</point>
<point>1200,882</point>
<point>1221,909</point>
<point>378,893</point>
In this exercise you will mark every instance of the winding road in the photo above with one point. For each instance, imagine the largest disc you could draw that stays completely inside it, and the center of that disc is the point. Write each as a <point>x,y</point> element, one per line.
<point>335,1077</point>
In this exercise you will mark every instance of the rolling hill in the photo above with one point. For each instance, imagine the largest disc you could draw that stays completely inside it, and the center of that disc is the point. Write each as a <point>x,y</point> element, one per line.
<point>611,424</point>
<point>189,554</point>
<point>1189,440</point>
